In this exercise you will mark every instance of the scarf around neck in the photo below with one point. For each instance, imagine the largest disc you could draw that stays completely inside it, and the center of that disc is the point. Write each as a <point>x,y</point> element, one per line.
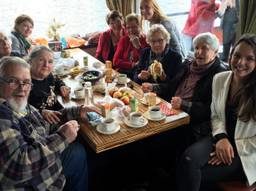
<point>23,40</point>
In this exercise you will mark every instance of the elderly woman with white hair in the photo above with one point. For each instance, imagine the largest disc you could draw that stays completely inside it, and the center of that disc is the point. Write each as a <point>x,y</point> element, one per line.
<point>5,45</point>
<point>158,64</point>
<point>191,89</point>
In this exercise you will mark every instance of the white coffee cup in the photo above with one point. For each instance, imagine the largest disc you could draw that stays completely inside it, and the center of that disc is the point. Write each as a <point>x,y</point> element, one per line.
<point>122,79</point>
<point>155,112</point>
<point>136,118</point>
<point>79,92</point>
<point>109,124</point>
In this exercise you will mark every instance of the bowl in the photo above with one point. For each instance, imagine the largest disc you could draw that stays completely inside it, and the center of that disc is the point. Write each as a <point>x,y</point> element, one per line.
<point>91,76</point>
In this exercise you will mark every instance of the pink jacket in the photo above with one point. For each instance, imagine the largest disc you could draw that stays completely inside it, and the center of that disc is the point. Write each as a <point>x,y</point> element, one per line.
<point>201,17</point>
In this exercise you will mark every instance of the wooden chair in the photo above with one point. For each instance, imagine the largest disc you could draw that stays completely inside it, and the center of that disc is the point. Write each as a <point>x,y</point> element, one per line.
<point>235,186</point>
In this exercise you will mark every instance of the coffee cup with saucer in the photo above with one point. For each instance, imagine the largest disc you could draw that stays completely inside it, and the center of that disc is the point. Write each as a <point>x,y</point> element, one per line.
<point>136,120</point>
<point>108,126</point>
<point>154,113</point>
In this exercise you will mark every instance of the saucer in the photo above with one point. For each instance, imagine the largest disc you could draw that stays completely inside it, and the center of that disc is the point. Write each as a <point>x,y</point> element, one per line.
<point>100,129</point>
<point>162,117</point>
<point>73,96</point>
<point>128,123</point>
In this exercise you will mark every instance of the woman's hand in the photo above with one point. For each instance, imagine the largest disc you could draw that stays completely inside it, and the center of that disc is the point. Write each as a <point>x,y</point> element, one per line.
<point>83,112</point>
<point>147,87</point>
<point>64,91</point>
<point>214,159</point>
<point>144,75</point>
<point>52,117</point>
<point>224,151</point>
<point>176,102</point>
<point>135,40</point>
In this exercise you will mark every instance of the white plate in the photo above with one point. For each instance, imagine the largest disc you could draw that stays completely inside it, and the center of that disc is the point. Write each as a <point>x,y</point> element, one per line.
<point>128,123</point>
<point>73,96</point>
<point>143,101</point>
<point>100,129</point>
<point>146,114</point>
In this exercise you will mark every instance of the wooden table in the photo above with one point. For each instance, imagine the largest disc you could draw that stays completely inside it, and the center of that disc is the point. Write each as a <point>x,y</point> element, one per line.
<point>100,142</point>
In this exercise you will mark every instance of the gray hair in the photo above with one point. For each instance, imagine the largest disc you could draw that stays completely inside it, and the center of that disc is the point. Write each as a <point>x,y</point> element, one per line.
<point>207,38</point>
<point>8,61</point>
<point>158,28</point>
<point>37,51</point>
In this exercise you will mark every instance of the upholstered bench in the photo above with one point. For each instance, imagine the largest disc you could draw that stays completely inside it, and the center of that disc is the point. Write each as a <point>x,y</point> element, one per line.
<point>235,186</point>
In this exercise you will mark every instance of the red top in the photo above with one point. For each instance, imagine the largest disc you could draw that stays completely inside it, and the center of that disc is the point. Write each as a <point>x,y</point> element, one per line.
<point>104,45</point>
<point>126,55</point>
<point>201,17</point>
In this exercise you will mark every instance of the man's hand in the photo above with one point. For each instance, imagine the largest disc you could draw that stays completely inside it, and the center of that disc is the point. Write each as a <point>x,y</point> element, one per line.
<point>52,117</point>
<point>69,130</point>
<point>224,151</point>
<point>176,102</point>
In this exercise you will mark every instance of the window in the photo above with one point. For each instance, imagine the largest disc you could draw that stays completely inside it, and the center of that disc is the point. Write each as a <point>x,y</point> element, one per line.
<point>177,10</point>
<point>79,16</point>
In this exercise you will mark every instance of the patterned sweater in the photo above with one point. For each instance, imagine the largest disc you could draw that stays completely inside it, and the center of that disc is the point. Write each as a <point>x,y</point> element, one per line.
<point>30,150</point>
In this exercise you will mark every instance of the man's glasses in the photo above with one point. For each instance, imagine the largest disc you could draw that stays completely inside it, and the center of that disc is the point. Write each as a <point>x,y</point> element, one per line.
<point>15,83</point>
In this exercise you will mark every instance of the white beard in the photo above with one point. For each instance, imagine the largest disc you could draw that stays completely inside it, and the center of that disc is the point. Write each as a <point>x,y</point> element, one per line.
<point>18,107</point>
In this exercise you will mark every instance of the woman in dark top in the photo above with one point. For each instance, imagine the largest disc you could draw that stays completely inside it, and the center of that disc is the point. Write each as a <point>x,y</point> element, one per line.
<point>191,90</point>
<point>45,85</point>
<point>155,78</point>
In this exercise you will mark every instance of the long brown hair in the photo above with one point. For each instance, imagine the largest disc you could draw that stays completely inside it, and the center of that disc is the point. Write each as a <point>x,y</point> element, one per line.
<point>246,96</point>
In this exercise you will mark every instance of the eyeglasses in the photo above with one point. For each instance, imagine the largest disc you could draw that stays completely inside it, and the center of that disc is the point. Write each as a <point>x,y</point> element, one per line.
<point>159,41</point>
<point>15,83</point>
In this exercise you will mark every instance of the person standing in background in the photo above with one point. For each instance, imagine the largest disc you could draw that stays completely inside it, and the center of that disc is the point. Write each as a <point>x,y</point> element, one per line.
<point>200,19</point>
<point>229,12</point>
<point>151,12</point>
<point>109,39</point>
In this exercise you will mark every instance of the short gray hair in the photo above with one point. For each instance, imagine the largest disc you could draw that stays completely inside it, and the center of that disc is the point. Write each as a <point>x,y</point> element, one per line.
<point>158,28</point>
<point>37,51</point>
<point>8,61</point>
<point>207,38</point>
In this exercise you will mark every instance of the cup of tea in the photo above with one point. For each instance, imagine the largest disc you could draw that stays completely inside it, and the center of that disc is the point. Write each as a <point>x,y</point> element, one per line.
<point>122,79</point>
<point>155,112</point>
<point>109,124</point>
<point>136,118</point>
<point>79,92</point>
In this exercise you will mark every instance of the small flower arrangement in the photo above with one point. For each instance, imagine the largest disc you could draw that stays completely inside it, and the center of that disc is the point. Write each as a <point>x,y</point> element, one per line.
<point>53,30</point>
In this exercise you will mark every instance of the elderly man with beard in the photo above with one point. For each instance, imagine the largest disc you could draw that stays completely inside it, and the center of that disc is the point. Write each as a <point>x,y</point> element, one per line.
<point>34,154</point>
